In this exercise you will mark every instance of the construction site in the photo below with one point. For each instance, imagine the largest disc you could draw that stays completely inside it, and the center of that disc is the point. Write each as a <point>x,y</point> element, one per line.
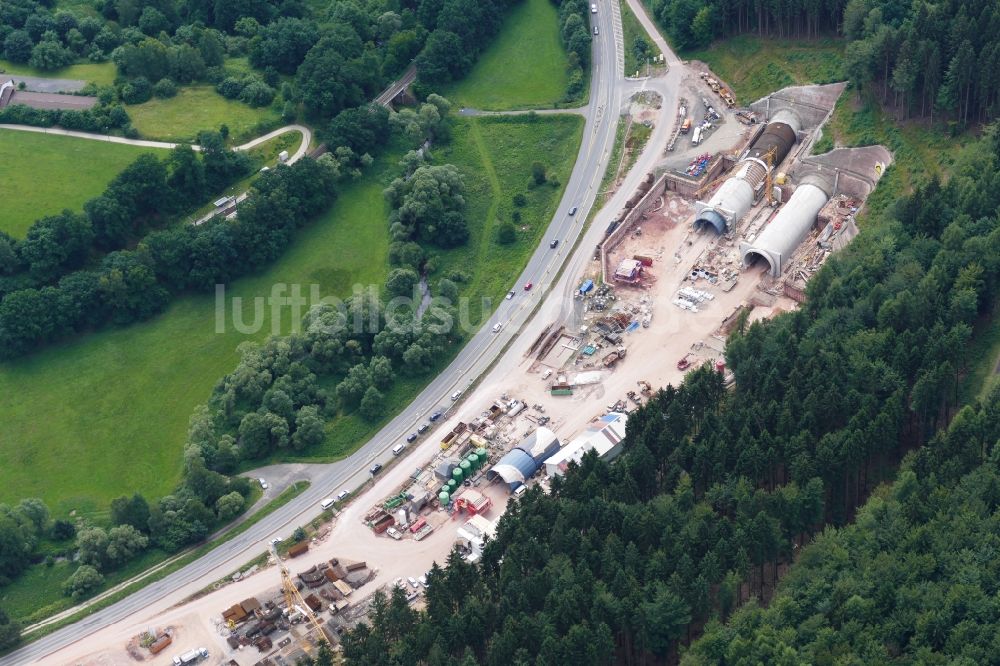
<point>735,220</point>
<point>737,230</point>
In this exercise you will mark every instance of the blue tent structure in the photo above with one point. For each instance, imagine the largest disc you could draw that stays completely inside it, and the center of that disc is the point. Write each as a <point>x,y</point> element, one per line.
<point>521,462</point>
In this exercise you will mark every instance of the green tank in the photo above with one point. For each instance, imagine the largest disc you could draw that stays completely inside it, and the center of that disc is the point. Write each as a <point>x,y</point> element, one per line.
<point>466,467</point>
<point>457,474</point>
<point>452,484</point>
<point>444,497</point>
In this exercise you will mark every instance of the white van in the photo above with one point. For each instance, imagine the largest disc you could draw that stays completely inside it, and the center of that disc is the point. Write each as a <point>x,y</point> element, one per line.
<point>520,490</point>
<point>546,374</point>
<point>593,8</point>
<point>456,395</point>
<point>327,503</point>
<point>396,450</point>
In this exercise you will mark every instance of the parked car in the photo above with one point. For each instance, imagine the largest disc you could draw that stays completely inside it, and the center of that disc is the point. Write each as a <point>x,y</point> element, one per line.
<point>342,495</point>
<point>423,428</point>
<point>553,244</point>
<point>412,437</point>
<point>263,484</point>
<point>413,582</point>
<point>436,415</point>
<point>375,469</point>
<point>456,395</point>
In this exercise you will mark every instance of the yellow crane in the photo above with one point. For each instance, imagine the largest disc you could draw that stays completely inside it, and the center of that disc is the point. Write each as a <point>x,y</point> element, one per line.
<point>768,186</point>
<point>294,599</point>
<point>709,185</point>
<point>768,158</point>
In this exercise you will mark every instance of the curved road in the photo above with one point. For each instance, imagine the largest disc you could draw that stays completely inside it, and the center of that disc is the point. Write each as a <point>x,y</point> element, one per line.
<point>142,143</point>
<point>485,347</point>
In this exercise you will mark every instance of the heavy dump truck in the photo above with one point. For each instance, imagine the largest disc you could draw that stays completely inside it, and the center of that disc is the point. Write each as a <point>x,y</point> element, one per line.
<point>613,357</point>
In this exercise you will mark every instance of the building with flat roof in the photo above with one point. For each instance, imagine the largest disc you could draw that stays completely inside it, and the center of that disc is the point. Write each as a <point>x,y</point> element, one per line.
<point>604,436</point>
<point>474,533</point>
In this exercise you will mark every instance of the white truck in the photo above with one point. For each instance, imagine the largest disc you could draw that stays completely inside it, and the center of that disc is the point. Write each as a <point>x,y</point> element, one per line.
<point>191,656</point>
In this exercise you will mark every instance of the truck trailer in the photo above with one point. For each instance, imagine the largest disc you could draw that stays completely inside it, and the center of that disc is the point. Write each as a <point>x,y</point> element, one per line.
<point>191,657</point>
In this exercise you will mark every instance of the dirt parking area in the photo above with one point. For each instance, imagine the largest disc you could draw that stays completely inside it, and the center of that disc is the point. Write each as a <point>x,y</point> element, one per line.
<point>187,632</point>
<point>39,100</point>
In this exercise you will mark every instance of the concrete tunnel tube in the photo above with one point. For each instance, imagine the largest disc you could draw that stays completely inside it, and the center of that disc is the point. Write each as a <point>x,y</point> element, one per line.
<point>779,239</point>
<point>736,196</point>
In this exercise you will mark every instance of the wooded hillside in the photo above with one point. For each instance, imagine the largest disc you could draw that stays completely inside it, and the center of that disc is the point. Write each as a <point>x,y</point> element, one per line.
<point>935,59</point>
<point>716,490</point>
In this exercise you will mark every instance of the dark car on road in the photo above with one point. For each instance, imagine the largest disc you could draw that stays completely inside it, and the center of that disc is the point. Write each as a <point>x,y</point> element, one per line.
<point>572,211</point>
<point>411,437</point>
<point>436,415</point>
<point>423,428</point>
<point>553,244</point>
<point>376,468</point>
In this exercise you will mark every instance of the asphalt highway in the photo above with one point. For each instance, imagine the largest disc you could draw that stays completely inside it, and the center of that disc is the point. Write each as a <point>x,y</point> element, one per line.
<point>607,89</point>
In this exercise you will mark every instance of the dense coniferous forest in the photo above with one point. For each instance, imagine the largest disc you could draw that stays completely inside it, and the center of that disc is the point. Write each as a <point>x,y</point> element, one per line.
<point>914,580</point>
<point>716,490</point>
<point>934,59</point>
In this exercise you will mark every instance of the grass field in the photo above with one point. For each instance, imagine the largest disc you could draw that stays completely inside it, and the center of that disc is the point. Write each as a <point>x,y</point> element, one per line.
<point>755,66</point>
<point>194,109</point>
<point>116,403</point>
<point>101,73</point>
<point>495,156</point>
<point>41,174</point>
<point>525,67</point>
<point>127,435</point>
